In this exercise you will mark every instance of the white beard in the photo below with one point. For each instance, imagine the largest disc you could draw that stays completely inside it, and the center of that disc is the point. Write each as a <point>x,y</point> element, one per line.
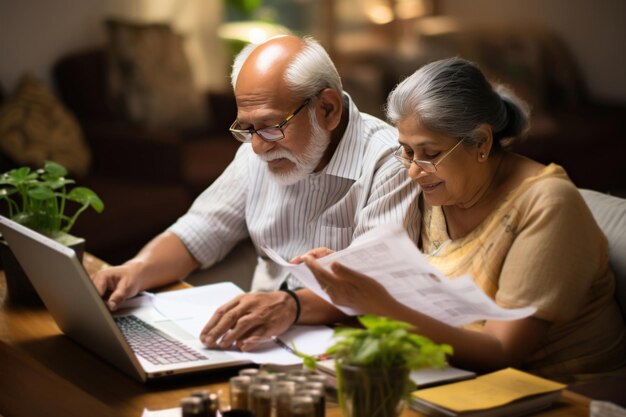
<point>305,163</point>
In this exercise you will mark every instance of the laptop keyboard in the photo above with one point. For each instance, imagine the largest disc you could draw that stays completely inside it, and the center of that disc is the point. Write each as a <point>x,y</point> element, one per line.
<point>153,345</point>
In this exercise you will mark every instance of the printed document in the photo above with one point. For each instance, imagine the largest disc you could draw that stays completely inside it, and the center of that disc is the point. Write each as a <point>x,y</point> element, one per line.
<point>388,255</point>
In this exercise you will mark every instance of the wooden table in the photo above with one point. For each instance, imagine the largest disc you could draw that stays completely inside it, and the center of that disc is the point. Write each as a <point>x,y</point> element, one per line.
<point>44,373</point>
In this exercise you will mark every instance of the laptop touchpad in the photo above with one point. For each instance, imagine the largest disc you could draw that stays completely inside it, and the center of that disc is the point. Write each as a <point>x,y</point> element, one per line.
<point>175,330</point>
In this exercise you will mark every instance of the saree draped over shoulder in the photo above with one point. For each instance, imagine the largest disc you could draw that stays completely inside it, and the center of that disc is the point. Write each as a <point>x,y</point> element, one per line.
<point>542,247</point>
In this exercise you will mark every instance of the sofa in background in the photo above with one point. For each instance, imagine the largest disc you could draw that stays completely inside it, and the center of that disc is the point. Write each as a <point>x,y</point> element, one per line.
<point>569,127</point>
<point>610,213</point>
<point>147,176</point>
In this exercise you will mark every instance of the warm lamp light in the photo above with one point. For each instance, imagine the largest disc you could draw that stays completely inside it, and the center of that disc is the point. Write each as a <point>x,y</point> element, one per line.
<point>410,9</point>
<point>251,31</point>
<point>381,12</point>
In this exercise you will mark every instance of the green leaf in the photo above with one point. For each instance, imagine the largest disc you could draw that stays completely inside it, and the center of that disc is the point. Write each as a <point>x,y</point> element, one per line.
<point>38,198</point>
<point>367,351</point>
<point>41,193</point>
<point>54,170</point>
<point>246,6</point>
<point>56,183</point>
<point>18,176</point>
<point>308,361</point>
<point>84,195</point>
<point>384,343</point>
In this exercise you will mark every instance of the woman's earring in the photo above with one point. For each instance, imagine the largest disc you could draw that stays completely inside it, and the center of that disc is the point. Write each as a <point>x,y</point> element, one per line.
<point>482,155</point>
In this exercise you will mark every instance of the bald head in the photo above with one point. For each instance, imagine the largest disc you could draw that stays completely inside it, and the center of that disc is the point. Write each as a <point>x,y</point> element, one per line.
<point>300,65</point>
<point>270,59</point>
<point>262,74</point>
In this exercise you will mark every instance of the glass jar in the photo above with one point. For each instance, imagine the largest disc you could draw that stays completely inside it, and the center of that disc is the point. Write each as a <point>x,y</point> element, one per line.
<point>319,401</point>
<point>251,372</point>
<point>239,392</point>
<point>301,406</point>
<point>192,407</point>
<point>265,378</point>
<point>260,400</point>
<point>298,379</point>
<point>315,377</point>
<point>283,391</point>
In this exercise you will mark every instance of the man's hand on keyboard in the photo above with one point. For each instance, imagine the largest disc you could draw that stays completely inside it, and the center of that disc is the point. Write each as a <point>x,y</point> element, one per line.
<point>121,282</point>
<point>248,319</point>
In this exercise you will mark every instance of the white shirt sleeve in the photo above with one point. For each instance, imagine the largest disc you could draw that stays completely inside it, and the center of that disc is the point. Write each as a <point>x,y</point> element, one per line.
<point>392,200</point>
<point>216,220</point>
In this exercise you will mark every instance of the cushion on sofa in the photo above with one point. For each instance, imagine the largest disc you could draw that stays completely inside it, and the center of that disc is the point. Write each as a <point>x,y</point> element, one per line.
<point>610,214</point>
<point>35,127</point>
<point>150,80</point>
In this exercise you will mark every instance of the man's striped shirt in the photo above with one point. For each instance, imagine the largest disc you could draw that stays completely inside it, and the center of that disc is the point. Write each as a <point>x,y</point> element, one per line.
<point>362,186</point>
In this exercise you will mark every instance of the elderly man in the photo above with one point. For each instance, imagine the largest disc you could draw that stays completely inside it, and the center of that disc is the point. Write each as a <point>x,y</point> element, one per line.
<point>312,172</point>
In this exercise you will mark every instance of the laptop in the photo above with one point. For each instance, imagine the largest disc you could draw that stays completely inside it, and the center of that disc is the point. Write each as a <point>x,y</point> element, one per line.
<point>123,338</point>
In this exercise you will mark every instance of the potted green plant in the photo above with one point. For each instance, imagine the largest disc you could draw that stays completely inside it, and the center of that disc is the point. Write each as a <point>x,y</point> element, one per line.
<point>38,200</point>
<point>373,364</point>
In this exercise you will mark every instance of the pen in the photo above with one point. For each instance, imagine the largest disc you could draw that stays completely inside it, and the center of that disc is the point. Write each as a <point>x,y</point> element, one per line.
<point>284,345</point>
<point>261,340</point>
<point>279,342</point>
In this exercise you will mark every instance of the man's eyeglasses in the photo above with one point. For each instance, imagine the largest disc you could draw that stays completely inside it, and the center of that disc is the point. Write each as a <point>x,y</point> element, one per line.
<point>426,166</point>
<point>268,134</point>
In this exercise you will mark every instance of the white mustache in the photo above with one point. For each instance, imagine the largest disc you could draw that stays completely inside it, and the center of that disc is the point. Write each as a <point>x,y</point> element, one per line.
<point>278,154</point>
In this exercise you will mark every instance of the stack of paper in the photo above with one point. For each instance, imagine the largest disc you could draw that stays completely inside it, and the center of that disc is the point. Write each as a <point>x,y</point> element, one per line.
<point>388,255</point>
<point>508,392</point>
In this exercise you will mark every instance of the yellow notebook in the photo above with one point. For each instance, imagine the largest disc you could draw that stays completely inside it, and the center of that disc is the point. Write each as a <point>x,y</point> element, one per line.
<point>490,391</point>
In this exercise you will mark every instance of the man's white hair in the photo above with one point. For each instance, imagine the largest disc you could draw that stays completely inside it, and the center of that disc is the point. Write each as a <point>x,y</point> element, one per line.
<point>309,72</point>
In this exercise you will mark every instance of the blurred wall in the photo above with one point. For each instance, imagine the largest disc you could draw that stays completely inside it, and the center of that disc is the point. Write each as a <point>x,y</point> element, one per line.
<point>35,33</point>
<point>595,32</point>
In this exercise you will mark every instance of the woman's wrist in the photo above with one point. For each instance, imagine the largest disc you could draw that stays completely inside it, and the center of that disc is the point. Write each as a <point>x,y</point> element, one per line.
<point>316,310</point>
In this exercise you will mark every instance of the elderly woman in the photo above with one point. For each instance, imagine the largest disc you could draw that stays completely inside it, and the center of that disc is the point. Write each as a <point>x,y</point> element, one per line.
<point>519,228</point>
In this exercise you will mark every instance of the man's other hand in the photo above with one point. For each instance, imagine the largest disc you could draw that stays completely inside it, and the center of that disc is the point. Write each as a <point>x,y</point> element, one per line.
<point>249,319</point>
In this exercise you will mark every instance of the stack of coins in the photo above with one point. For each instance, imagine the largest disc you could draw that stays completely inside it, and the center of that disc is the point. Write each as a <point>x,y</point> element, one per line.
<point>192,407</point>
<point>297,393</point>
<point>301,406</point>
<point>200,404</point>
<point>313,386</point>
<point>239,392</point>
<point>283,391</point>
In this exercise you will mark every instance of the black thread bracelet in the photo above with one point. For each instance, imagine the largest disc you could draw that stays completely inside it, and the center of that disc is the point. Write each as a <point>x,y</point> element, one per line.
<point>297,300</point>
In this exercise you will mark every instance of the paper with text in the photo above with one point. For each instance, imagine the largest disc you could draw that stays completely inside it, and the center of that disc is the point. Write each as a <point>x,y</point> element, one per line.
<point>388,255</point>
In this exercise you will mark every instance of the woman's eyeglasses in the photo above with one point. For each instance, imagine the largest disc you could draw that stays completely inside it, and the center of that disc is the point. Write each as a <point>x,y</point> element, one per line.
<point>426,166</point>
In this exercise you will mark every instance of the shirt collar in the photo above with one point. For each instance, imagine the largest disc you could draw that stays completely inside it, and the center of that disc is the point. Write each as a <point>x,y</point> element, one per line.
<point>347,160</point>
